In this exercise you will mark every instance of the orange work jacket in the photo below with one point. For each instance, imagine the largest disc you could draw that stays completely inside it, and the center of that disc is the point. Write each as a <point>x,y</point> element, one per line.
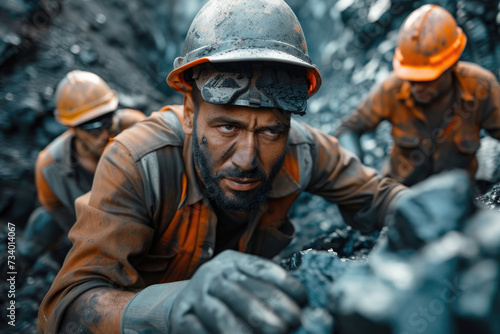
<point>419,151</point>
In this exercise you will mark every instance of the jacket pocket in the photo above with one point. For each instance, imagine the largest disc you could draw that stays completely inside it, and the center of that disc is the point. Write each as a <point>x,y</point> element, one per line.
<point>270,241</point>
<point>467,145</point>
<point>406,140</point>
<point>155,262</point>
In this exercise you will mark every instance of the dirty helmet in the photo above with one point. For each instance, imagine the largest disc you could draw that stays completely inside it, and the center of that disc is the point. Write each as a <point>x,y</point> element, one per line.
<point>261,31</point>
<point>82,96</point>
<point>429,42</point>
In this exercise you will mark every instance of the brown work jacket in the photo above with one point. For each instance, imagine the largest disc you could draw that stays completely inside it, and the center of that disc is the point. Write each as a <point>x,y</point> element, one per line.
<point>147,221</point>
<point>60,180</point>
<point>419,151</point>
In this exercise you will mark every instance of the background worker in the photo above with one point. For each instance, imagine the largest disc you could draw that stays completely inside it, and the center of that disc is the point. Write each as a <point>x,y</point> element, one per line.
<point>65,168</point>
<point>436,104</point>
<point>177,201</point>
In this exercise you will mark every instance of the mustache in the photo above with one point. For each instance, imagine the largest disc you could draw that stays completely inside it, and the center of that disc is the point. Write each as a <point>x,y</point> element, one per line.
<point>237,173</point>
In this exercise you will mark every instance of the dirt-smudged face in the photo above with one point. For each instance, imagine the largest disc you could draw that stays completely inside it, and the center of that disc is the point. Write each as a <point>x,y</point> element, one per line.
<point>238,151</point>
<point>425,92</point>
<point>93,143</point>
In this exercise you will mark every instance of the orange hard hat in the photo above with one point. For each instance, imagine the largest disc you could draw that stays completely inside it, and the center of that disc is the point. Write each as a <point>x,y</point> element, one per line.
<point>82,96</point>
<point>429,43</point>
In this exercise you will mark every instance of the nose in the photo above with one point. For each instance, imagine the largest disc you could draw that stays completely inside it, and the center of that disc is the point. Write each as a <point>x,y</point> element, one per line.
<point>105,134</point>
<point>419,85</point>
<point>245,156</point>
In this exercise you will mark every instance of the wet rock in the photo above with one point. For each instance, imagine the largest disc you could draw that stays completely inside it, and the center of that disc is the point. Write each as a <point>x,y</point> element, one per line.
<point>361,302</point>
<point>8,44</point>
<point>430,209</point>
<point>491,199</point>
<point>477,308</point>
<point>488,157</point>
<point>484,229</point>
<point>88,57</point>
<point>316,321</point>
<point>27,112</point>
<point>317,270</point>
<point>5,122</point>
<point>447,285</point>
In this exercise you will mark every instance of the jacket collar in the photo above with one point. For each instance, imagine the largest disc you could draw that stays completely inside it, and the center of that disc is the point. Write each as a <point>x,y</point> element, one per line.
<point>61,150</point>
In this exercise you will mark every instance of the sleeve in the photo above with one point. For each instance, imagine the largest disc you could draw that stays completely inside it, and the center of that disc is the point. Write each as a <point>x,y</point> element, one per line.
<point>363,196</point>
<point>57,210</point>
<point>111,234</point>
<point>368,115</point>
<point>491,117</point>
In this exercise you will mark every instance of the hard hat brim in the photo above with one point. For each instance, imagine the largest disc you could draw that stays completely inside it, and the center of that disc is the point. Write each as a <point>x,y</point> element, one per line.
<point>87,115</point>
<point>421,73</point>
<point>175,78</point>
<point>416,73</point>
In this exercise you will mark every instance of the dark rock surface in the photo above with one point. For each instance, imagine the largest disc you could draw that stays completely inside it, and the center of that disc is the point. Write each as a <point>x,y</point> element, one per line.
<point>448,284</point>
<point>132,44</point>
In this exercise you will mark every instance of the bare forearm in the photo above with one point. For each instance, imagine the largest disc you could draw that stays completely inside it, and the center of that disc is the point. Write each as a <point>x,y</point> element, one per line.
<point>97,311</point>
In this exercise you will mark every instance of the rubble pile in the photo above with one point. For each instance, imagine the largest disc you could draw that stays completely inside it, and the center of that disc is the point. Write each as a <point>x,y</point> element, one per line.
<point>431,272</point>
<point>491,200</point>
<point>132,44</point>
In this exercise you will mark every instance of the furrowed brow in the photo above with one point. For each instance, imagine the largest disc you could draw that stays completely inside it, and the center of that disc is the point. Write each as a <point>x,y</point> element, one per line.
<point>228,120</point>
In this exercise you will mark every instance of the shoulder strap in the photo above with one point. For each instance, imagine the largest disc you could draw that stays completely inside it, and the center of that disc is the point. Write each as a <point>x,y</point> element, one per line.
<point>57,147</point>
<point>150,164</point>
<point>174,116</point>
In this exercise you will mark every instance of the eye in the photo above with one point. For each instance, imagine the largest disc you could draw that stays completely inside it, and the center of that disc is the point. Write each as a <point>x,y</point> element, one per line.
<point>227,128</point>
<point>271,133</point>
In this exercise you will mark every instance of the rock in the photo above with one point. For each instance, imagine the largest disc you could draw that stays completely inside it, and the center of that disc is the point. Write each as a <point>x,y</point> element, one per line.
<point>484,229</point>
<point>316,321</point>
<point>491,199</point>
<point>27,112</point>
<point>430,209</point>
<point>88,57</point>
<point>447,285</point>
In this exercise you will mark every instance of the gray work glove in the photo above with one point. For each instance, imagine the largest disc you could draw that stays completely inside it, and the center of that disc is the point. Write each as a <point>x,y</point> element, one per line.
<point>232,293</point>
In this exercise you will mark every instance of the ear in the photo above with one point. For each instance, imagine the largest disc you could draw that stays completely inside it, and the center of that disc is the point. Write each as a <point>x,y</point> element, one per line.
<point>187,124</point>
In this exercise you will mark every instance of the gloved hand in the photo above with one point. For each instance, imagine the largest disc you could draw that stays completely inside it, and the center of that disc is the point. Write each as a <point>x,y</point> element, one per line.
<point>233,293</point>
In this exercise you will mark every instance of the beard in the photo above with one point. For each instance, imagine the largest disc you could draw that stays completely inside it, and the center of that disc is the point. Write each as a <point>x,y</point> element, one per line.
<point>240,201</point>
<point>92,149</point>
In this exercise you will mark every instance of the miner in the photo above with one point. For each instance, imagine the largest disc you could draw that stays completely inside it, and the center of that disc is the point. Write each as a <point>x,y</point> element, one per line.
<point>65,168</point>
<point>187,206</point>
<point>436,104</point>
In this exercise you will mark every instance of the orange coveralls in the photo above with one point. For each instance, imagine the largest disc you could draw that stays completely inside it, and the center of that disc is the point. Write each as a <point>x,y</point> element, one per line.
<point>59,178</point>
<point>146,220</point>
<point>418,151</point>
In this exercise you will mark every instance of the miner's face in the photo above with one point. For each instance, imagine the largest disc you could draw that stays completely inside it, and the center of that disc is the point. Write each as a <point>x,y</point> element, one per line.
<point>425,92</point>
<point>94,135</point>
<point>237,151</point>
